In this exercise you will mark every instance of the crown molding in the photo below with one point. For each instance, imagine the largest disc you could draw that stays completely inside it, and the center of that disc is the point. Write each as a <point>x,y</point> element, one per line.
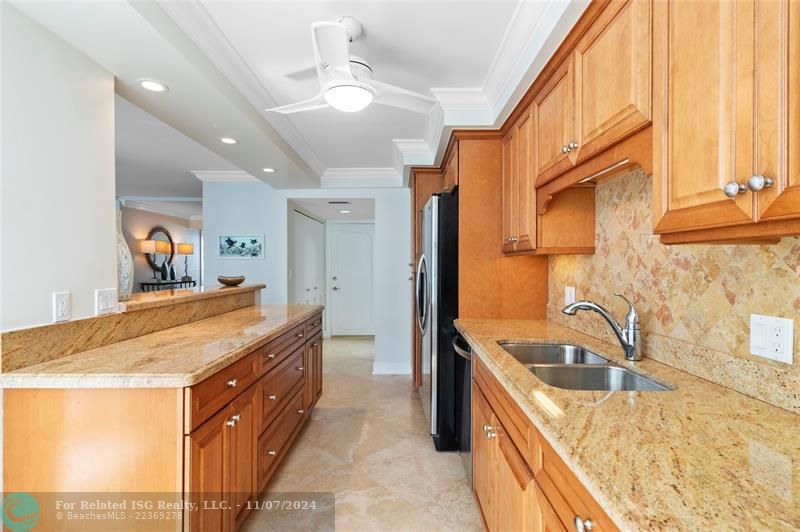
<point>156,205</point>
<point>224,176</point>
<point>361,178</point>
<point>196,22</point>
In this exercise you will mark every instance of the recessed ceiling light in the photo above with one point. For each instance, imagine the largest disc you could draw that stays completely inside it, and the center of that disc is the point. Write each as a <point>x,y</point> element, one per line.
<point>153,86</point>
<point>227,140</point>
<point>268,170</point>
<point>344,211</point>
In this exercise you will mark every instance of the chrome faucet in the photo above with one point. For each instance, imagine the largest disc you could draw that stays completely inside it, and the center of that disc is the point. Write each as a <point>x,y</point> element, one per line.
<point>629,336</point>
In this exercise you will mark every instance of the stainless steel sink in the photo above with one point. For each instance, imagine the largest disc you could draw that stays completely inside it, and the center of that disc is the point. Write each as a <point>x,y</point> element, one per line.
<point>586,377</point>
<point>551,353</point>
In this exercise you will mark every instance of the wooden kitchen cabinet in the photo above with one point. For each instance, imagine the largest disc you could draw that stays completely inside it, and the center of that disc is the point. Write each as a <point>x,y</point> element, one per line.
<point>612,77</point>
<point>726,111</point>
<point>554,119</point>
<point>221,464</point>
<point>314,369</point>
<point>519,482</point>
<point>450,175</point>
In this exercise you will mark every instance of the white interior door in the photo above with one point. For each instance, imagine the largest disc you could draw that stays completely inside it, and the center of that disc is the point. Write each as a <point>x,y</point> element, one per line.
<point>350,278</point>
<point>307,260</point>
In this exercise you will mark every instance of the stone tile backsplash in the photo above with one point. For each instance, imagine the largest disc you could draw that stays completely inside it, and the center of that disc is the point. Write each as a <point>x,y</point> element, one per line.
<point>694,301</point>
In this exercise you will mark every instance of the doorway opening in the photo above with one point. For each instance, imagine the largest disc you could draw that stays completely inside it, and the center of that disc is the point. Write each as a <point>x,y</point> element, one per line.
<point>331,261</point>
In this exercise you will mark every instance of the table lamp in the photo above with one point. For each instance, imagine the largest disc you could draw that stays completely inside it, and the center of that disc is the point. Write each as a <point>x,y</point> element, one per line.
<point>185,249</point>
<point>149,247</point>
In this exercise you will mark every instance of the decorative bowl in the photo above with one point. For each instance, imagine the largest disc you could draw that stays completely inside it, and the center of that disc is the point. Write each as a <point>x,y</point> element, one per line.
<point>231,280</point>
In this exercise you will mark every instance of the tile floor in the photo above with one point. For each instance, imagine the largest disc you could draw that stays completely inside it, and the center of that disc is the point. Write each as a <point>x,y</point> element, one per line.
<point>367,443</point>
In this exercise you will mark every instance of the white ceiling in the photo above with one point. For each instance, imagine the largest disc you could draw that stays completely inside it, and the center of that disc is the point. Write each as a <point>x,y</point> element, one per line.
<point>225,62</point>
<point>415,45</point>
<point>361,208</point>
<point>153,159</point>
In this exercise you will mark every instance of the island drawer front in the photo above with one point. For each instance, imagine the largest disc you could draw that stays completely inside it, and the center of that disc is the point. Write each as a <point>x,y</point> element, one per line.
<point>208,397</point>
<point>314,325</point>
<point>275,351</point>
<point>277,386</point>
<point>274,442</point>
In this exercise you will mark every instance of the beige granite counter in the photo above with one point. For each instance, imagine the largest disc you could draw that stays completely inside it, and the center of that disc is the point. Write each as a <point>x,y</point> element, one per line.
<point>160,298</point>
<point>175,357</point>
<point>698,457</point>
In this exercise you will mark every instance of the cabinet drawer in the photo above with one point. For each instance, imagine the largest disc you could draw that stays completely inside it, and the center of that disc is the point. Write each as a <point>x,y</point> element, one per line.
<point>275,351</point>
<point>313,326</point>
<point>279,384</point>
<point>207,397</point>
<point>273,442</point>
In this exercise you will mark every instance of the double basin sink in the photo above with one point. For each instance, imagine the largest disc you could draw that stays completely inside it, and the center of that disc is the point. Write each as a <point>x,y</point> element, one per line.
<point>574,368</point>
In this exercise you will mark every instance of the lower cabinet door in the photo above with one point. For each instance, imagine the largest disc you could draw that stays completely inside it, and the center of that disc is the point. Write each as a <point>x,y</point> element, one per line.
<point>516,488</point>
<point>243,438</point>
<point>483,457</point>
<point>272,443</point>
<point>317,345</point>
<point>207,458</point>
<point>544,516</point>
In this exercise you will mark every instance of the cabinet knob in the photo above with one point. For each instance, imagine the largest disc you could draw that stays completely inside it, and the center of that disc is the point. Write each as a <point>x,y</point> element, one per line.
<point>272,452</point>
<point>271,356</point>
<point>486,428</point>
<point>299,368</point>
<point>491,434</point>
<point>272,397</point>
<point>301,411</point>
<point>565,148</point>
<point>572,145</point>
<point>582,525</point>
<point>232,383</point>
<point>758,182</point>
<point>733,189</point>
<point>299,335</point>
<point>233,420</point>
<point>315,344</point>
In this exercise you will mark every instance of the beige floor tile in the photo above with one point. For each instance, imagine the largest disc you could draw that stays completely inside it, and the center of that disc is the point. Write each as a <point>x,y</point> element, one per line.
<point>367,442</point>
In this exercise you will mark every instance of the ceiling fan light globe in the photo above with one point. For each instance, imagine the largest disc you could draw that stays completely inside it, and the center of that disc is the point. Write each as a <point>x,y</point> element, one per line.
<point>349,98</point>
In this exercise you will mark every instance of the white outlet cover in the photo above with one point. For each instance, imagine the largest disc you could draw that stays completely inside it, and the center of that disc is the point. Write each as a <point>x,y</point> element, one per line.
<point>772,337</point>
<point>569,295</point>
<point>62,306</point>
<point>105,301</point>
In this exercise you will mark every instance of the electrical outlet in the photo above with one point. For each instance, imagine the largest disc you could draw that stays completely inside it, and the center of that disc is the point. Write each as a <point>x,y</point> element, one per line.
<point>569,295</point>
<point>62,306</point>
<point>772,337</point>
<point>105,301</point>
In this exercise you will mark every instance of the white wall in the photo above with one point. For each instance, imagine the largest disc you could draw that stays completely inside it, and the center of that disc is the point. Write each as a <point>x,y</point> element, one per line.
<point>57,210</point>
<point>136,224</point>
<point>306,274</point>
<point>259,209</point>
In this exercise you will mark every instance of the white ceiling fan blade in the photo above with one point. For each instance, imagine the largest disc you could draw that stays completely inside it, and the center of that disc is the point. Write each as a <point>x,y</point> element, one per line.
<point>331,52</point>
<point>317,102</point>
<point>398,97</point>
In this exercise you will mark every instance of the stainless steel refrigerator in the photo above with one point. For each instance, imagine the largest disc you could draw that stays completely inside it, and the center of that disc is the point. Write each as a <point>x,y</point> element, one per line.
<point>437,307</point>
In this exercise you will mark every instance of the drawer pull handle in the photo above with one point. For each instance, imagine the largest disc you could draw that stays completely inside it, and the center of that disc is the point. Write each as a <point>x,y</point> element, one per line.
<point>301,411</point>
<point>272,452</point>
<point>315,324</point>
<point>233,420</point>
<point>315,344</point>
<point>301,368</point>
<point>582,525</point>
<point>271,356</point>
<point>300,335</point>
<point>232,383</point>
<point>486,428</point>
<point>272,397</point>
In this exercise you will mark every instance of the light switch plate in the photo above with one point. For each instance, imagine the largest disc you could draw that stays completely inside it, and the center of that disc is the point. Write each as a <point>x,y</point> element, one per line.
<point>772,337</point>
<point>105,301</point>
<point>62,306</point>
<point>569,295</point>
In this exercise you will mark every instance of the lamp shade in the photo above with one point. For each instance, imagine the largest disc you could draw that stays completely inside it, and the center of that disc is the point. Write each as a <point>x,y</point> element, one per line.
<point>162,246</point>
<point>185,249</point>
<point>147,246</point>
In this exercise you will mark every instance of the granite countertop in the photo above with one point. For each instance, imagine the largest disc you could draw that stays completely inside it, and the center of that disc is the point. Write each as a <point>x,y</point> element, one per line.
<point>171,358</point>
<point>160,298</point>
<point>698,457</point>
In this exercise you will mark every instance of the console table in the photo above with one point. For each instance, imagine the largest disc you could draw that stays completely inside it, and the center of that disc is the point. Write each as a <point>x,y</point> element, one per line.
<point>163,285</point>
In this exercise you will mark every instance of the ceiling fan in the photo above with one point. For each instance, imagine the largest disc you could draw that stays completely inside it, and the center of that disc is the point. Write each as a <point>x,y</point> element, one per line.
<point>345,80</point>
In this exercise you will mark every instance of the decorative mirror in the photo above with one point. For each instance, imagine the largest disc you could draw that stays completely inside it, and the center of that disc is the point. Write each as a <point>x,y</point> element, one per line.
<point>165,251</point>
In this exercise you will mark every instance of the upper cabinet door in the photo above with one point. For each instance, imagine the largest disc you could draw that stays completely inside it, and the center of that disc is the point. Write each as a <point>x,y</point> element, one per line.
<point>777,77</point>
<point>509,213</point>
<point>702,113</point>
<point>525,209</point>
<point>612,77</point>
<point>554,116</point>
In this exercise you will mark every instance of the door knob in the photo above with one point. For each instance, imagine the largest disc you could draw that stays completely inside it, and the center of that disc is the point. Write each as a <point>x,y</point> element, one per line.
<point>733,189</point>
<point>335,288</point>
<point>758,182</point>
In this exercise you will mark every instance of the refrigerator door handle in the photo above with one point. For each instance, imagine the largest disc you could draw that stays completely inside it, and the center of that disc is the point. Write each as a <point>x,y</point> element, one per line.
<point>422,294</point>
